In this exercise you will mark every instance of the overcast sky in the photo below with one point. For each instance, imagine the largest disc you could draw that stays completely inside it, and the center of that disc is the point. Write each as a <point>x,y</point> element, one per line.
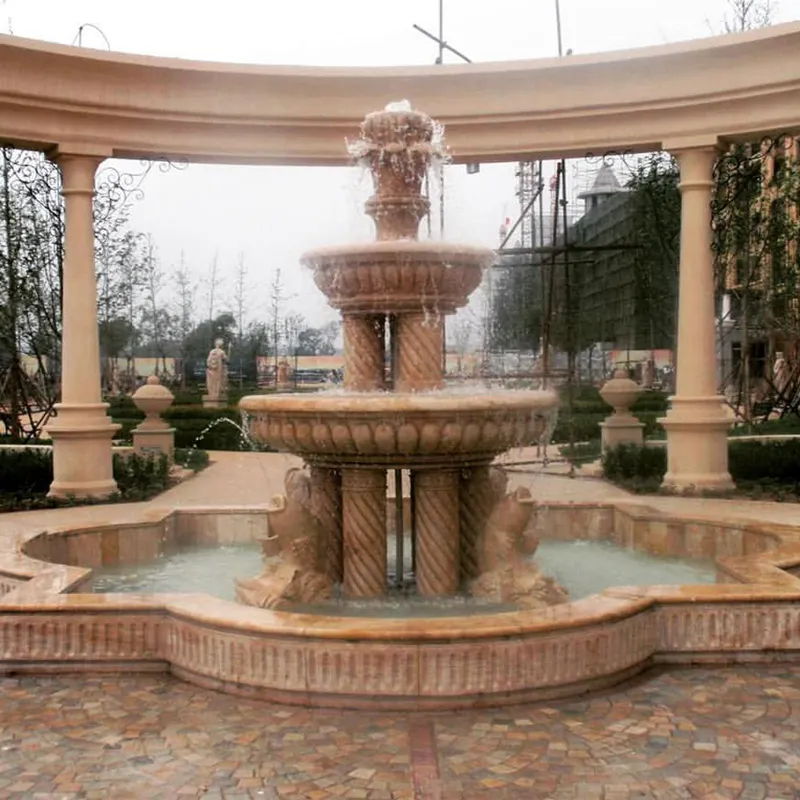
<point>272,214</point>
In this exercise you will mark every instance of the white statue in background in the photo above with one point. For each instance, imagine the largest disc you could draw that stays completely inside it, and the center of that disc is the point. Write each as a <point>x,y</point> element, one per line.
<point>780,372</point>
<point>216,375</point>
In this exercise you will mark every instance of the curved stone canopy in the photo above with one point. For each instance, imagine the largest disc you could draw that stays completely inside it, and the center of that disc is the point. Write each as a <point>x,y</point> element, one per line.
<point>670,96</point>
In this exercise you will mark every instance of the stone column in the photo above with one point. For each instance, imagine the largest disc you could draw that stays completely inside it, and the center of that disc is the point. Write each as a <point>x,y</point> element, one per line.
<point>364,352</point>
<point>697,424</point>
<point>419,356</point>
<point>436,511</point>
<point>326,503</point>
<point>81,432</point>
<point>364,532</point>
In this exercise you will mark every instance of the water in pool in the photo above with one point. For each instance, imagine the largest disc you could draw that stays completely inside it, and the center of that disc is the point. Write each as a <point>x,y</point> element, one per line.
<point>582,567</point>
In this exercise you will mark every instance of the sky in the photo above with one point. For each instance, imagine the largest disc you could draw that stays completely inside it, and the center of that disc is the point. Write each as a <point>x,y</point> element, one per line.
<point>270,215</point>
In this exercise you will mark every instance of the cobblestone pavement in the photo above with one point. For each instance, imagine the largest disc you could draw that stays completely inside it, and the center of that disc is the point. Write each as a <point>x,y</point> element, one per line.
<point>701,733</point>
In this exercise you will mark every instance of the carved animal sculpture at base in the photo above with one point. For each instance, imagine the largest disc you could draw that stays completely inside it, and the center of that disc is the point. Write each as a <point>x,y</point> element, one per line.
<point>297,536</point>
<point>505,576</point>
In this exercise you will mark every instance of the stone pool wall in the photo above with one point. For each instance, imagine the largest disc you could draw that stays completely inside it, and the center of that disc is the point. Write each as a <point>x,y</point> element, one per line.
<point>45,625</point>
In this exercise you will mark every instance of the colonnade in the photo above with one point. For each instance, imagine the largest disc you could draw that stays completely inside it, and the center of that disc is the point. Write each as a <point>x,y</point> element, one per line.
<point>697,423</point>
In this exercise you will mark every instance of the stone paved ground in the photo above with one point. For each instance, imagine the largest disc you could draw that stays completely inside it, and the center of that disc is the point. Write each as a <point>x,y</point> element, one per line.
<point>701,733</point>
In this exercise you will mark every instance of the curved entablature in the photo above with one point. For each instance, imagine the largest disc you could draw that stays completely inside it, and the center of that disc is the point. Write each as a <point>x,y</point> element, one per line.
<point>134,106</point>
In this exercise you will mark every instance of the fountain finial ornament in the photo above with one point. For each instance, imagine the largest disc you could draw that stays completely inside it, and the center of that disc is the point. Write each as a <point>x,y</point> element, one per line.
<point>397,145</point>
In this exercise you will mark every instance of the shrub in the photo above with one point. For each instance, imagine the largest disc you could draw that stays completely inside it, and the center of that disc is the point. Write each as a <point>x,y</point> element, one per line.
<point>141,477</point>
<point>788,425</point>
<point>582,453</point>
<point>191,458</point>
<point>768,470</point>
<point>631,461</point>
<point>26,472</point>
<point>774,461</point>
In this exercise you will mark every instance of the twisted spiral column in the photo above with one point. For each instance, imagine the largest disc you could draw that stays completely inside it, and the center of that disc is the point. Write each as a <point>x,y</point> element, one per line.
<point>326,505</point>
<point>436,517</point>
<point>364,531</point>
<point>419,353</point>
<point>476,499</point>
<point>364,352</point>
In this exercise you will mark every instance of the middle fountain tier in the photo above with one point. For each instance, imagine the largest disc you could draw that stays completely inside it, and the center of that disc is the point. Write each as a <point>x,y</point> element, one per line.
<point>331,527</point>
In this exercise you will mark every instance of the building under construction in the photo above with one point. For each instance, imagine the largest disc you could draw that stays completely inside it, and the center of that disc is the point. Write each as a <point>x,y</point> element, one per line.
<point>573,278</point>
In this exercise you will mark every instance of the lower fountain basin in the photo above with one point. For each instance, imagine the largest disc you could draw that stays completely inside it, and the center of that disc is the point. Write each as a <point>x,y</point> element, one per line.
<point>388,430</point>
<point>47,623</point>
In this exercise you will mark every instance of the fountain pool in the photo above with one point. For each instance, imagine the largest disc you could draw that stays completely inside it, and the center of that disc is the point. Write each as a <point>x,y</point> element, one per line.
<point>212,570</point>
<point>489,656</point>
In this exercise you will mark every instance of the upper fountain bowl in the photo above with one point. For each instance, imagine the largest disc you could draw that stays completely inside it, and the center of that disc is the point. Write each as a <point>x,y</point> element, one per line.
<point>398,277</point>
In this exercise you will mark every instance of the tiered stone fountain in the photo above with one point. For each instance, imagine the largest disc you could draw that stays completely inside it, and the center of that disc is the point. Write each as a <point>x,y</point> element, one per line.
<point>331,528</point>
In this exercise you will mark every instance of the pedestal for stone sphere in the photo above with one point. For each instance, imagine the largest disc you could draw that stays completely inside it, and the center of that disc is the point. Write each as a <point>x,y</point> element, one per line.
<point>436,519</point>
<point>364,532</point>
<point>327,508</point>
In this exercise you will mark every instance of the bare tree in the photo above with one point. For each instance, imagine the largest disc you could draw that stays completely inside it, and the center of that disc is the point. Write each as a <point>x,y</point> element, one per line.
<point>183,321</point>
<point>213,282</point>
<point>276,301</point>
<point>240,296</point>
<point>745,15</point>
<point>155,317</point>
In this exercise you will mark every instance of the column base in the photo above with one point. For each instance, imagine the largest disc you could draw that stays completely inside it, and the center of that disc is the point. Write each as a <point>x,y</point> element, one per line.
<point>82,456</point>
<point>697,445</point>
<point>621,429</point>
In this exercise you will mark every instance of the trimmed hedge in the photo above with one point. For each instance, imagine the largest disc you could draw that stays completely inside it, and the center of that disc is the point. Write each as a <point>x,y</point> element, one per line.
<point>194,426</point>
<point>586,426</point>
<point>760,469</point>
<point>26,474</point>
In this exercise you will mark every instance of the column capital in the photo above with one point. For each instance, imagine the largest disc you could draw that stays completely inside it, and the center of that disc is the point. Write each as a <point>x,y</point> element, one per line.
<point>78,149</point>
<point>681,144</point>
<point>697,167</point>
<point>78,163</point>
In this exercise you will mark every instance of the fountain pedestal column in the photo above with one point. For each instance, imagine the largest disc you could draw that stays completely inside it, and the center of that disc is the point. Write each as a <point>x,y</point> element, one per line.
<point>419,354</point>
<point>436,519</point>
<point>477,497</point>
<point>364,532</point>
<point>364,342</point>
<point>327,508</point>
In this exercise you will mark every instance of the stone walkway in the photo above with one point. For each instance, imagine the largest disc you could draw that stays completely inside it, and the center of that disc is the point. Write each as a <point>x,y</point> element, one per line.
<point>697,734</point>
<point>704,733</point>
